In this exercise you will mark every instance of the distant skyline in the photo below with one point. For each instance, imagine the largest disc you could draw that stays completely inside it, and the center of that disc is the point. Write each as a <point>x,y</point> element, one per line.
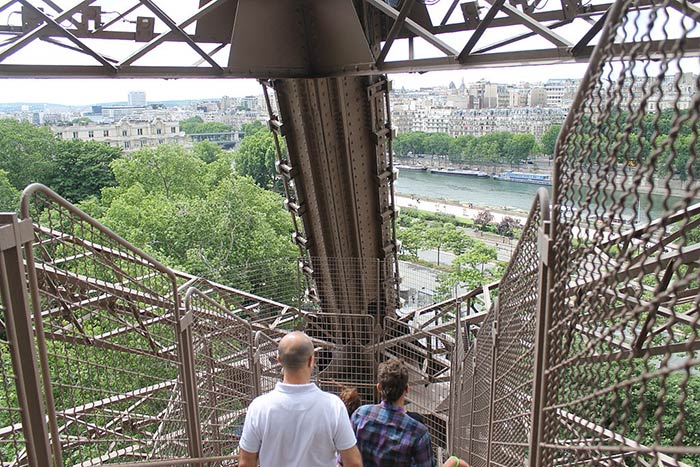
<point>92,91</point>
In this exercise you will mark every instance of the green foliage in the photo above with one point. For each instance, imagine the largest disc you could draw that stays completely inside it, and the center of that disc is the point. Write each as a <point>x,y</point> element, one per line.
<point>497,147</point>
<point>201,217</point>
<point>252,127</point>
<point>168,169</point>
<point>26,152</point>
<point>82,168</point>
<point>469,270</point>
<point>194,125</point>
<point>9,195</point>
<point>207,151</point>
<point>255,158</point>
<point>549,139</point>
<point>483,219</point>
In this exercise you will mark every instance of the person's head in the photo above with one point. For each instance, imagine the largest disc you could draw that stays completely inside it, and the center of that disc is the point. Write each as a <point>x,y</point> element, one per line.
<point>392,380</point>
<point>350,398</point>
<point>296,353</point>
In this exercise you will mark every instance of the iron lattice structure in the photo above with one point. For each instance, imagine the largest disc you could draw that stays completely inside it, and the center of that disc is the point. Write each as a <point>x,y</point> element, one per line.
<point>312,38</point>
<point>585,354</point>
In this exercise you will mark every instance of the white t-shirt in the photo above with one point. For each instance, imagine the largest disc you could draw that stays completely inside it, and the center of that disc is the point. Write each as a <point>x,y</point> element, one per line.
<point>297,425</point>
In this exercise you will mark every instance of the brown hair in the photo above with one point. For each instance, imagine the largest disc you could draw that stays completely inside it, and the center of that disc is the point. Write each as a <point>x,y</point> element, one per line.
<point>393,378</point>
<point>350,398</point>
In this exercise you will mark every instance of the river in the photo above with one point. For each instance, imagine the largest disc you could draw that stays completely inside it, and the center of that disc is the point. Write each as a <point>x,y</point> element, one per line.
<point>486,192</point>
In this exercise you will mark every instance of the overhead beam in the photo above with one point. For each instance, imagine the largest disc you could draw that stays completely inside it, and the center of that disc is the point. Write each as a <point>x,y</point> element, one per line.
<point>415,28</point>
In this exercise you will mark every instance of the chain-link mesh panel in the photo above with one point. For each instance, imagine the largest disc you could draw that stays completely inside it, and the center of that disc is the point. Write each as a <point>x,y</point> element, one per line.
<point>12,442</point>
<point>225,372</point>
<point>621,380</point>
<point>426,349</point>
<point>109,315</point>
<point>344,362</point>
<point>519,300</point>
<point>494,405</point>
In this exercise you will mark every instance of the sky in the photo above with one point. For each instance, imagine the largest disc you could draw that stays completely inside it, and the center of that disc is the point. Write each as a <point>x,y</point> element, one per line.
<point>93,91</point>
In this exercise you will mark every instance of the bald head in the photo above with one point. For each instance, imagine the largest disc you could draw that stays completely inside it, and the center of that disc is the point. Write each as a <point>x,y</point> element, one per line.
<point>294,350</point>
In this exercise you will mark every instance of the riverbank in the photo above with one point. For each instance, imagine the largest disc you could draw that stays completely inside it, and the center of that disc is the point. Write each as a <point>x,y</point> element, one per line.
<point>468,210</point>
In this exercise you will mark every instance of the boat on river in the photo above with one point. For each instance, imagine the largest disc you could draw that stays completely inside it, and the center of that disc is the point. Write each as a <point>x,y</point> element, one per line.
<point>524,177</point>
<point>410,168</point>
<point>464,173</point>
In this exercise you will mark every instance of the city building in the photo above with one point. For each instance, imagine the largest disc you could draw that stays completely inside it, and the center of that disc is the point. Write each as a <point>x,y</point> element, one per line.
<point>137,99</point>
<point>129,135</point>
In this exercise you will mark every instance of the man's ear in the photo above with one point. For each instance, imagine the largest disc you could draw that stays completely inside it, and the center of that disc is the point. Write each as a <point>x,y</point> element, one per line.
<point>279,360</point>
<point>310,362</point>
<point>379,388</point>
<point>405,391</point>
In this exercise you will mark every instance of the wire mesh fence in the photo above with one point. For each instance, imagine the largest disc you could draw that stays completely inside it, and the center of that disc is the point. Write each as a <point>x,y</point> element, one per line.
<point>122,339</point>
<point>494,406</point>
<point>13,448</point>
<point>225,372</point>
<point>621,372</point>
<point>109,316</point>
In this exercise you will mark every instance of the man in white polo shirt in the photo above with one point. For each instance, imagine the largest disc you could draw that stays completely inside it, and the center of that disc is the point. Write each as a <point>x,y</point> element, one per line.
<point>297,424</point>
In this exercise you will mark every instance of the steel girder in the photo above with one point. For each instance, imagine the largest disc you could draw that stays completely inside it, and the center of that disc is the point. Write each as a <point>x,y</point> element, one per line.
<point>296,38</point>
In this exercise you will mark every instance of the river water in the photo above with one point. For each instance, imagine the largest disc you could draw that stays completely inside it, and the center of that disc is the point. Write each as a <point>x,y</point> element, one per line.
<point>486,192</point>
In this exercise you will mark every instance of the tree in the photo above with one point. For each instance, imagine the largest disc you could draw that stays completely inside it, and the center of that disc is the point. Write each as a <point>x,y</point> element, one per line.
<point>194,125</point>
<point>549,139</point>
<point>9,195</point>
<point>189,124</point>
<point>26,153</point>
<point>439,143</point>
<point>468,270</point>
<point>255,158</point>
<point>168,169</point>
<point>519,147</point>
<point>82,168</point>
<point>210,221</point>
<point>507,226</point>
<point>252,127</point>
<point>412,239</point>
<point>483,219</point>
<point>207,151</point>
<point>438,235</point>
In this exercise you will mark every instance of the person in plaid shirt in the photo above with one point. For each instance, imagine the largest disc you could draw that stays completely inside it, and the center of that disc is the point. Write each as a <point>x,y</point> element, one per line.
<point>386,436</point>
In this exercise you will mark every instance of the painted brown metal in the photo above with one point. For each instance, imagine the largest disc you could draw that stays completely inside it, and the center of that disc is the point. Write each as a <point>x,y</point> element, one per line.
<point>343,183</point>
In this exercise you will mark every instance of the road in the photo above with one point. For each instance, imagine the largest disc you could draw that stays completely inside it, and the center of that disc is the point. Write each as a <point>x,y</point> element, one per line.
<point>503,245</point>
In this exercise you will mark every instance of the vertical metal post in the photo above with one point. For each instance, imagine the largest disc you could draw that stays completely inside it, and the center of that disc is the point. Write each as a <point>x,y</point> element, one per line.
<point>541,345</point>
<point>456,379</point>
<point>494,358</point>
<point>189,382</point>
<point>471,417</point>
<point>13,289</point>
<point>43,354</point>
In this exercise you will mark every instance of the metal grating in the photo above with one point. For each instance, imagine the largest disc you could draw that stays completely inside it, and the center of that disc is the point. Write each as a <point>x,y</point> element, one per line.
<point>621,370</point>
<point>493,414</point>
<point>225,371</point>
<point>109,316</point>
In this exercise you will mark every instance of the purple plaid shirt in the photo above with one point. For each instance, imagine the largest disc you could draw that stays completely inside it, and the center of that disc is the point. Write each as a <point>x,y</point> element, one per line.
<point>387,437</point>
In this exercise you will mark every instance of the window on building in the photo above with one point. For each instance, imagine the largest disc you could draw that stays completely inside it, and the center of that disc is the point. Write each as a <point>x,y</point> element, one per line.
<point>126,145</point>
<point>160,141</point>
<point>91,134</point>
<point>125,133</point>
<point>158,131</point>
<point>105,133</point>
<point>139,131</point>
<point>173,129</point>
<point>75,134</point>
